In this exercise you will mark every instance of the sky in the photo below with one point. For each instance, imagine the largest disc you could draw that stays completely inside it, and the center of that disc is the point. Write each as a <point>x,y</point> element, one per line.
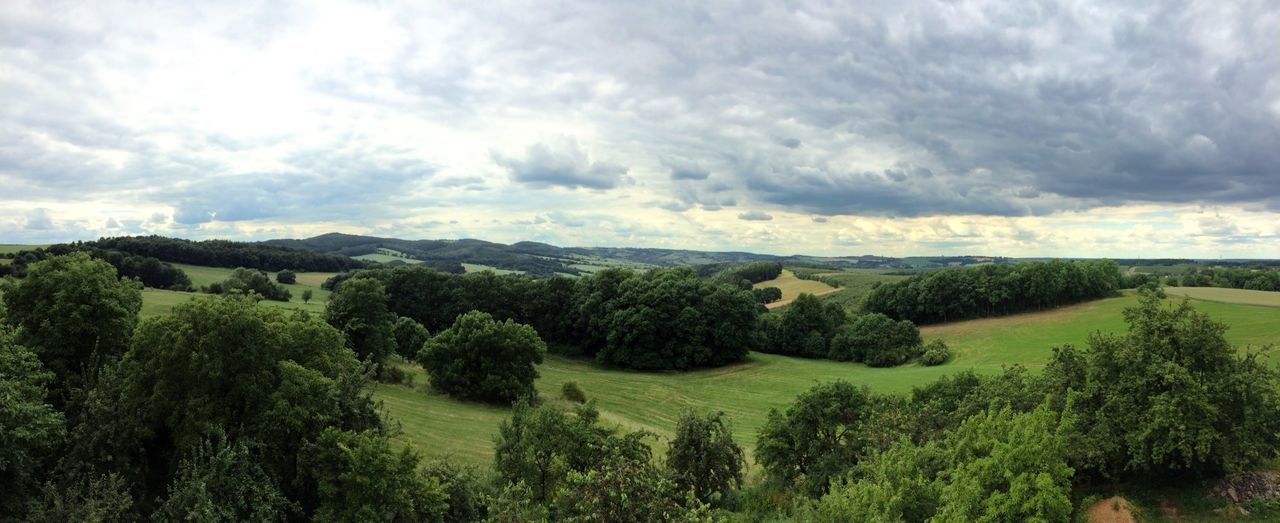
<point>903,127</point>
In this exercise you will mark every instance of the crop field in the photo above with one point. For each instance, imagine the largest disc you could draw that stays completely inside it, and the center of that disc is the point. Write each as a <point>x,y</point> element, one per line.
<point>7,248</point>
<point>439,426</point>
<point>474,267</point>
<point>1223,295</point>
<point>792,287</point>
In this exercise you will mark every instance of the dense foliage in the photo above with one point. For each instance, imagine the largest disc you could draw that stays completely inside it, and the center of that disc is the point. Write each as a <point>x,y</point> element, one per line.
<point>703,458</point>
<point>877,340</point>
<point>804,328</point>
<point>748,273</point>
<point>286,276</point>
<point>482,359</point>
<point>223,253</point>
<point>660,319</point>
<point>1258,279</point>
<point>30,429</point>
<point>76,314</point>
<point>1169,396</point>
<point>410,336</point>
<point>148,270</point>
<point>359,310</point>
<point>767,294</point>
<point>250,281</point>
<point>993,290</point>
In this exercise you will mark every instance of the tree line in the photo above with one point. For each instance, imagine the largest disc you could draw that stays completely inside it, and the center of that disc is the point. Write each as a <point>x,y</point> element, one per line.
<point>229,254</point>
<point>150,271</point>
<point>993,290</point>
<point>1258,279</point>
<point>811,328</point>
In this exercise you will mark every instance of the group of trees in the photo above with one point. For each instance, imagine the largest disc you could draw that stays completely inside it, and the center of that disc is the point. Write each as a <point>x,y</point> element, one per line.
<point>993,290</point>
<point>219,411</point>
<point>224,253</point>
<point>811,328</point>
<point>1169,398</point>
<point>250,281</point>
<point>1258,279</point>
<point>659,319</point>
<point>148,270</point>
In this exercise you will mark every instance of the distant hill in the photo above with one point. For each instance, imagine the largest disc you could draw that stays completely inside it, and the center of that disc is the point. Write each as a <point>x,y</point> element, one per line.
<point>543,259</point>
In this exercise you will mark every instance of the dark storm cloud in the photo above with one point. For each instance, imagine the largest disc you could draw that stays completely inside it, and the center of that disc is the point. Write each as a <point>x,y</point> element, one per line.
<point>562,163</point>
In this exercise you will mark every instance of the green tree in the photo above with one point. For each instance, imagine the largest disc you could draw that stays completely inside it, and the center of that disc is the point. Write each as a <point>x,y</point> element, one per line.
<point>820,437</point>
<point>410,337</point>
<point>250,281</point>
<point>286,276</point>
<point>360,478</point>
<point>270,379</point>
<point>703,457</point>
<point>1170,395</point>
<point>479,358</point>
<point>624,491</point>
<point>221,482</point>
<point>306,295</point>
<point>539,446</point>
<point>30,429</point>
<point>76,315</point>
<point>805,327</point>
<point>358,308</point>
<point>876,340</point>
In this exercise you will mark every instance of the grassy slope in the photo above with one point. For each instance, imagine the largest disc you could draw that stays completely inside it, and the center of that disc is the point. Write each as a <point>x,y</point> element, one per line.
<point>440,426</point>
<point>155,301</point>
<point>475,267</point>
<point>6,248</point>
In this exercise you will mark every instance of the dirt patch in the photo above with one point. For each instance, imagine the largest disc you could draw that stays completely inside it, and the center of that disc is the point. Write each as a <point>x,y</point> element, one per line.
<point>1239,488</point>
<point>1111,510</point>
<point>1169,509</point>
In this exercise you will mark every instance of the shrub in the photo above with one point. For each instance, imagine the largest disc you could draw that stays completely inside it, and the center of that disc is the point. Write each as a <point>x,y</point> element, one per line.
<point>572,392</point>
<point>935,353</point>
<point>410,337</point>
<point>286,276</point>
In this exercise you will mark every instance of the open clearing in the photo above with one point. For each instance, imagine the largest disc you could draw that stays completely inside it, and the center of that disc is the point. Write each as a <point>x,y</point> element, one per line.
<point>791,287</point>
<point>157,301</point>
<point>439,426</point>
<point>7,248</point>
<point>1241,296</point>
<point>475,267</point>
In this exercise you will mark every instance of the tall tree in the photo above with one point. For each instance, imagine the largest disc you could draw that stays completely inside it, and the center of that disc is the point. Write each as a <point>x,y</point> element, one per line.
<point>77,316</point>
<point>479,358</point>
<point>358,308</point>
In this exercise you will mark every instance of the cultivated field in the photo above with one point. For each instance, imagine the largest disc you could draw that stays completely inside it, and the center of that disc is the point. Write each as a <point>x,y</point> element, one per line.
<point>1218,294</point>
<point>157,301</point>
<point>440,426</point>
<point>792,287</point>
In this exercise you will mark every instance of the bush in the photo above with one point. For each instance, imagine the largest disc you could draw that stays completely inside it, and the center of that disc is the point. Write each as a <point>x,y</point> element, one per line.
<point>286,276</point>
<point>572,392</point>
<point>483,359</point>
<point>410,337</point>
<point>245,281</point>
<point>935,353</point>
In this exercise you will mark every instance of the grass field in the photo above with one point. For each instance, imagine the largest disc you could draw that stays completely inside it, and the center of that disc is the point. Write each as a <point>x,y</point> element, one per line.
<point>439,426</point>
<point>475,267</point>
<point>156,301</point>
<point>791,287</point>
<point>7,248</point>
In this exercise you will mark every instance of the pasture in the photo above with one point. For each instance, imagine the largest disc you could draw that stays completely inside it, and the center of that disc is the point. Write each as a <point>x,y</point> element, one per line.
<point>439,426</point>
<point>10,248</point>
<point>157,301</point>
<point>1223,295</point>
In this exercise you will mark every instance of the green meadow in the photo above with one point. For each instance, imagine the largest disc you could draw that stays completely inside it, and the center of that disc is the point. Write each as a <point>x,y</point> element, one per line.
<point>439,426</point>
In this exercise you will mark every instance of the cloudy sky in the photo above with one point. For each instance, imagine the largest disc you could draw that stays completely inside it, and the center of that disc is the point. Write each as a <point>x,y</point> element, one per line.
<point>1028,128</point>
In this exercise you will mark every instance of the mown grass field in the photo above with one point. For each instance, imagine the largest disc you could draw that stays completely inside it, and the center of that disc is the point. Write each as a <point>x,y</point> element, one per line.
<point>1241,296</point>
<point>8,248</point>
<point>791,287</point>
<point>157,301</point>
<point>439,426</point>
<point>475,267</point>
